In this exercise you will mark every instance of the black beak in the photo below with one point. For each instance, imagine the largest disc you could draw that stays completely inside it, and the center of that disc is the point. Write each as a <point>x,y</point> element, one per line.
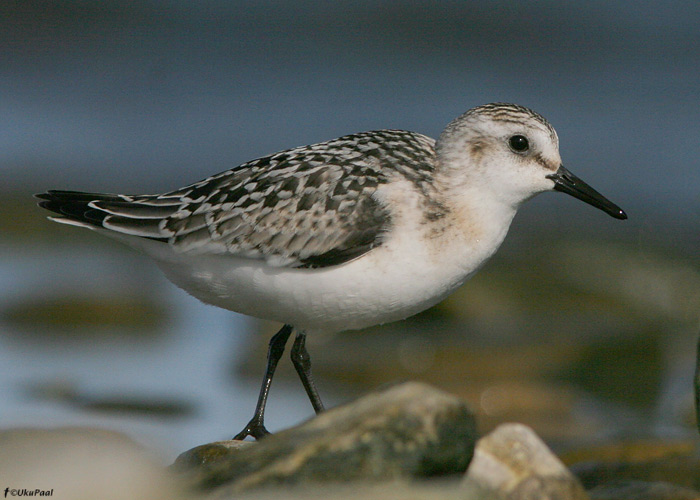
<point>566,182</point>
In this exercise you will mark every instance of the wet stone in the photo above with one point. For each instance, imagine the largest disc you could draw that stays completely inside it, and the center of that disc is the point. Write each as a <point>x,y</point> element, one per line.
<point>406,431</point>
<point>209,454</point>
<point>513,463</point>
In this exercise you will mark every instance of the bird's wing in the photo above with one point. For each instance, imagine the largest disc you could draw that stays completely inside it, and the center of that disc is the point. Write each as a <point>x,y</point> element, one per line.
<point>312,206</point>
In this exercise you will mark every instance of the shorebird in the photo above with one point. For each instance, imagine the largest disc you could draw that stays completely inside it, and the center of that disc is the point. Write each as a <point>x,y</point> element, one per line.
<point>356,231</point>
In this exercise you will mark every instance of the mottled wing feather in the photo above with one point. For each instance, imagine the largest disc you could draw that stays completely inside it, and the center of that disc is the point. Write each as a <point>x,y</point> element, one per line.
<point>371,219</point>
<point>312,206</point>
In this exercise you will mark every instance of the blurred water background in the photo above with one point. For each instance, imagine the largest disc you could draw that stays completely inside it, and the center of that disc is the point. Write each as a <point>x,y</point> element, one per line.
<point>581,325</point>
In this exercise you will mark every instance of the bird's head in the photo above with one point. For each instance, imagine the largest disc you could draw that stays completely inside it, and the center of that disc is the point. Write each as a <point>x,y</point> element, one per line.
<point>512,153</point>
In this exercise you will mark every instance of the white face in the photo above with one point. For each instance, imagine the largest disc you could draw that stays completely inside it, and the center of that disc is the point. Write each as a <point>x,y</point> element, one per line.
<point>511,156</point>
<point>520,157</point>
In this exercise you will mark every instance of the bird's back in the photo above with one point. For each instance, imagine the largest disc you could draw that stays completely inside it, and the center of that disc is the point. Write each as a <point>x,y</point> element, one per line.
<point>311,206</point>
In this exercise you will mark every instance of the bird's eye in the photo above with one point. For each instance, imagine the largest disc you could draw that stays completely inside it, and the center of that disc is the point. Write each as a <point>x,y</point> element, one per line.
<point>519,143</point>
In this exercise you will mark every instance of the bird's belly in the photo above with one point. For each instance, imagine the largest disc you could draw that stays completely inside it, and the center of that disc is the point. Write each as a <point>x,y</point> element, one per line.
<point>381,286</point>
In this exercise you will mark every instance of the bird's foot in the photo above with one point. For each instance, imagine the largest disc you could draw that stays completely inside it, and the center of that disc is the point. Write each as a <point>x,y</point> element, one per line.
<point>255,429</point>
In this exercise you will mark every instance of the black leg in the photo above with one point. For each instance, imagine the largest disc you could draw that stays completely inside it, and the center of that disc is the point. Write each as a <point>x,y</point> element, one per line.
<point>256,426</point>
<point>302,363</point>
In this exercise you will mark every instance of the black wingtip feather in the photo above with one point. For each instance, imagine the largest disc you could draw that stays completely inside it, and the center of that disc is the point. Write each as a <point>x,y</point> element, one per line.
<point>73,205</point>
<point>84,207</point>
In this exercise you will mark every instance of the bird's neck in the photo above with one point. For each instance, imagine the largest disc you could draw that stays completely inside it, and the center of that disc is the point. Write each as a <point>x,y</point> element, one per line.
<point>480,223</point>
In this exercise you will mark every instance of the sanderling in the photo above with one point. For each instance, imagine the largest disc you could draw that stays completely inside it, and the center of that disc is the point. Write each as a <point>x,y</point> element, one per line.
<point>360,230</point>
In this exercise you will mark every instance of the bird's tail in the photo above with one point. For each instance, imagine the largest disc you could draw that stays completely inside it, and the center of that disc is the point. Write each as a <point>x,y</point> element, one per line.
<point>131,215</point>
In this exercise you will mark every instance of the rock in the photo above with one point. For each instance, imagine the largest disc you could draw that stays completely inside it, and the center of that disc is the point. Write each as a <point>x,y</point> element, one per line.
<point>410,430</point>
<point>210,453</point>
<point>513,463</point>
<point>78,463</point>
<point>642,490</point>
